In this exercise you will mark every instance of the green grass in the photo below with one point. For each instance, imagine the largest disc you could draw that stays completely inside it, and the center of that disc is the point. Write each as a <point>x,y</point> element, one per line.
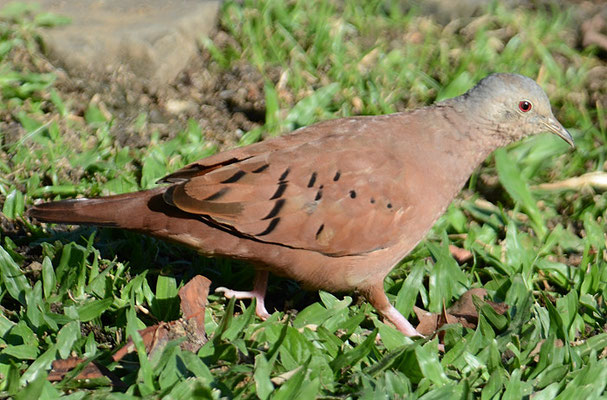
<point>83,292</point>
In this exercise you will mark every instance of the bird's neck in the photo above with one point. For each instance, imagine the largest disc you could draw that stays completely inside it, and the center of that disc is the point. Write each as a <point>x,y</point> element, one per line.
<point>473,120</point>
<point>466,141</point>
<point>449,148</point>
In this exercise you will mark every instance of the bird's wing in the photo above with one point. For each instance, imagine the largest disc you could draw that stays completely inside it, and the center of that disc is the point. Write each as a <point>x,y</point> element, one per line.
<point>335,194</point>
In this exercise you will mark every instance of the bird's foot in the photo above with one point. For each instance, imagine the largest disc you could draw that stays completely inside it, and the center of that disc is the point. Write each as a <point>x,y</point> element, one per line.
<point>260,284</point>
<point>260,307</point>
<point>400,322</point>
<point>378,299</point>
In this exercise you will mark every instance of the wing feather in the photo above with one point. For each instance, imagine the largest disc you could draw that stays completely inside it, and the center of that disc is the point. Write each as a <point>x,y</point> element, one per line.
<point>319,194</point>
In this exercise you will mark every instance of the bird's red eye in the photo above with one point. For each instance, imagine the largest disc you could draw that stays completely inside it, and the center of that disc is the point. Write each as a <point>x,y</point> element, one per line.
<point>524,106</point>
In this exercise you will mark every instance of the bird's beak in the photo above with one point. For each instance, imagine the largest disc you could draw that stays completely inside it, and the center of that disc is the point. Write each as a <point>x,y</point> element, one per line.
<point>555,127</point>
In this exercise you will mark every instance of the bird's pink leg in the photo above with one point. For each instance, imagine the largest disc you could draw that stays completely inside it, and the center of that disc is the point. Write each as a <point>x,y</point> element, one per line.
<point>378,299</point>
<point>258,293</point>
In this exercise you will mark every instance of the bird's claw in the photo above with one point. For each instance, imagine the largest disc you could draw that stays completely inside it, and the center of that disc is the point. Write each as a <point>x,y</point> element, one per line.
<point>260,307</point>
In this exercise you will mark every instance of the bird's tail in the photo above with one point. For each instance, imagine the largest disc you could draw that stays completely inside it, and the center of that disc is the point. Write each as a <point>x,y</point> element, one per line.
<point>117,211</point>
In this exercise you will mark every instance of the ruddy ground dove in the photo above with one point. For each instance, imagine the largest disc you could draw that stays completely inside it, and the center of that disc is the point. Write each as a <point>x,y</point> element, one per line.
<point>334,205</point>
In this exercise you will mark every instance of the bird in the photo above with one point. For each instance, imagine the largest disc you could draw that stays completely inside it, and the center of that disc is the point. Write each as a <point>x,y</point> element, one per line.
<point>334,205</point>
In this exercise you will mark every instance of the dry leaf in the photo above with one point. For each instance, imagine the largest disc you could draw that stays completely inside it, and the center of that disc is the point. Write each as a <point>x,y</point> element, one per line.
<point>60,368</point>
<point>191,326</point>
<point>463,311</point>
<point>461,255</point>
<point>193,300</point>
<point>428,322</point>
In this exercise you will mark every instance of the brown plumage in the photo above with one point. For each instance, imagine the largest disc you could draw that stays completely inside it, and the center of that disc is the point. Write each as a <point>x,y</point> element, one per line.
<point>334,205</point>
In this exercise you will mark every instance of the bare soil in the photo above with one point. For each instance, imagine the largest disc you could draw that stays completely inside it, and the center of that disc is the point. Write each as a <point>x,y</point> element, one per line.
<point>225,102</point>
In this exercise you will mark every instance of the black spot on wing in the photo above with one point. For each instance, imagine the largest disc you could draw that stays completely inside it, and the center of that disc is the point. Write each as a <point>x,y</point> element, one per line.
<point>319,193</point>
<point>220,193</point>
<point>352,194</point>
<point>235,178</point>
<point>276,209</point>
<point>336,177</point>
<point>312,180</point>
<point>270,228</point>
<point>319,231</point>
<point>284,175</point>
<point>280,191</point>
<point>261,169</point>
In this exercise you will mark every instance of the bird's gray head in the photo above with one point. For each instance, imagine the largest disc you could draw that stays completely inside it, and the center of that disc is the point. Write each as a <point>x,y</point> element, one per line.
<point>515,105</point>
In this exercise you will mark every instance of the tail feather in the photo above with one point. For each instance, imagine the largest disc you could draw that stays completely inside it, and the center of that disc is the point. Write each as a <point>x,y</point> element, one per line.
<point>115,211</point>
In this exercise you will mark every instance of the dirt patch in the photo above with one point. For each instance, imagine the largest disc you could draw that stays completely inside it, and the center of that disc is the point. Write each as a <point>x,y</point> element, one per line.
<point>225,102</point>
